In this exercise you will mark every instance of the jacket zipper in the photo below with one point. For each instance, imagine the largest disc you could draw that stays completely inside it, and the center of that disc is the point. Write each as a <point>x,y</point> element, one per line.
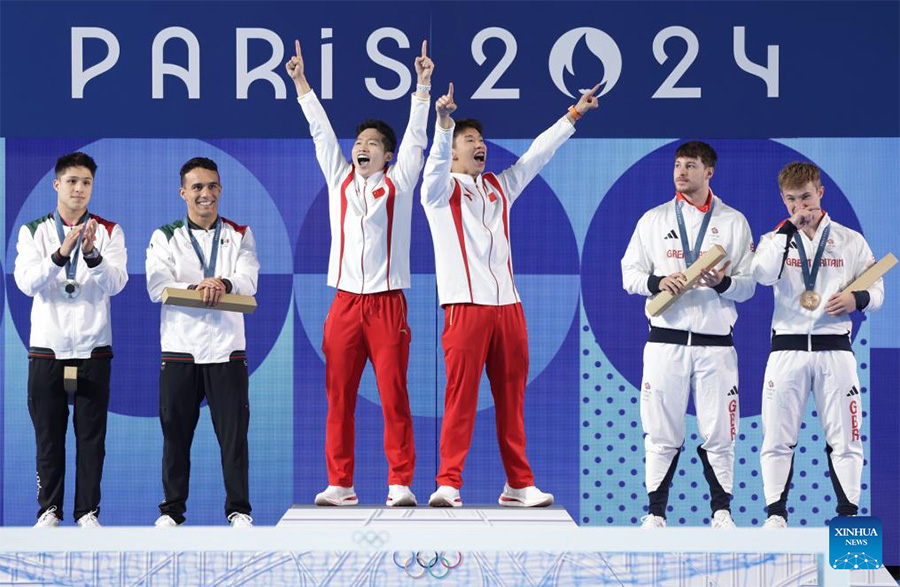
<point>491,235</point>
<point>362,227</point>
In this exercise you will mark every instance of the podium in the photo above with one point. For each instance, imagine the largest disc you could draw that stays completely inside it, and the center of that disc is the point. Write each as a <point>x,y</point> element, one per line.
<point>425,518</point>
<point>365,545</point>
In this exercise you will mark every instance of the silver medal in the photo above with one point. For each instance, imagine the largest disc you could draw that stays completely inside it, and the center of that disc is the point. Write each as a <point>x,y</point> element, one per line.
<point>70,289</point>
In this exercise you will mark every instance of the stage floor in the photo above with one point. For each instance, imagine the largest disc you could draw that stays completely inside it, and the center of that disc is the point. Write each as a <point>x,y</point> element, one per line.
<point>415,546</point>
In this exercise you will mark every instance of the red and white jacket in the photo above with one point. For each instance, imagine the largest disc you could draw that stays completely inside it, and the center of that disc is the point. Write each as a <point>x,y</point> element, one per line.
<point>70,328</point>
<point>655,251</point>
<point>469,219</point>
<point>846,257</point>
<point>370,217</point>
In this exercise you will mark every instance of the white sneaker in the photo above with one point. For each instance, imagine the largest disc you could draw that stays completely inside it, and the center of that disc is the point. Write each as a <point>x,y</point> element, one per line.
<point>775,523</point>
<point>445,497</point>
<point>89,520</point>
<point>651,521</point>
<point>166,521</point>
<point>337,495</point>
<point>400,496</point>
<point>239,520</point>
<point>527,497</point>
<point>722,520</point>
<point>48,519</point>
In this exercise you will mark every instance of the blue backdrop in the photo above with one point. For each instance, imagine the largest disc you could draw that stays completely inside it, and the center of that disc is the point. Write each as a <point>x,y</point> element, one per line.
<point>744,76</point>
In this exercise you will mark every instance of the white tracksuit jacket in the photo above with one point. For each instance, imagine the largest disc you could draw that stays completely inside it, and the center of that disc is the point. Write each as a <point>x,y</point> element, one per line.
<point>210,336</point>
<point>655,249</point>
<point>846,257</point>
<point>71,328</point>
<point>370,217</point>
<point>469,219</point>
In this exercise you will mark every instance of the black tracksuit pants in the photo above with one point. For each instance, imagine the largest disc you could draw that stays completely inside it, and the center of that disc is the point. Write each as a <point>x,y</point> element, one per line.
<point>182,387</point>
<point>48,405</point>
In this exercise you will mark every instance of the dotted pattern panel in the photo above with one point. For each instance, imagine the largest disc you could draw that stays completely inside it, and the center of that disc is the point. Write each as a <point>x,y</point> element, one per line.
<point>612,455</point>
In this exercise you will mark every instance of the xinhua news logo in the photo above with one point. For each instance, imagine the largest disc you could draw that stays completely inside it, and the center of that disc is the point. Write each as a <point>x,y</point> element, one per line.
<point>855,543</point>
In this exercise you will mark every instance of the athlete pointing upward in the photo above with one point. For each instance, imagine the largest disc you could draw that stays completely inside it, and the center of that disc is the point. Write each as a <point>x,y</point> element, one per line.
<point>468,211</point>
<point>370,208</point>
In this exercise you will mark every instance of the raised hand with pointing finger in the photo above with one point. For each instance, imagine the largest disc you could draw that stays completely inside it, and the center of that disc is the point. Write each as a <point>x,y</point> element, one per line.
<point>445,106</point>
<point>424,68</point>
<point>380,178</point>
<point>587,102</point>
<point>294,68</point>
<point>481,304</point>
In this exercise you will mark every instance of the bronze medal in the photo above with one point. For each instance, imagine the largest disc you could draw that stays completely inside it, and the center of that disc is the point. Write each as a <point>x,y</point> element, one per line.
<point>810,300</point>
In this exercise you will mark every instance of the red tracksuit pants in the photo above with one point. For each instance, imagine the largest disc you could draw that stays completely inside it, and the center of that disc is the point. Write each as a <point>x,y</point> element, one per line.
<point>372,327</point>
<point>474,337</point>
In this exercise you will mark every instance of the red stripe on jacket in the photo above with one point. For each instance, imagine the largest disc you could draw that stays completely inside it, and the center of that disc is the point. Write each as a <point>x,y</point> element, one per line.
<point>343,215</point>
<point>392,192</point>
<point>456,211</point>
<point>109,225</point>
<point>492,179</point>
<point>237,227</point>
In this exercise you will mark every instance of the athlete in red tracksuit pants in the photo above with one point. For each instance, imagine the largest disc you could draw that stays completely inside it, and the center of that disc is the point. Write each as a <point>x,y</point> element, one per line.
<point>370,209</point>
<point>484,326</point>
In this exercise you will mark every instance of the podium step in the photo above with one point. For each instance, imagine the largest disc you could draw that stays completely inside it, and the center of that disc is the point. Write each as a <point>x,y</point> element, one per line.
<point>427,518</point>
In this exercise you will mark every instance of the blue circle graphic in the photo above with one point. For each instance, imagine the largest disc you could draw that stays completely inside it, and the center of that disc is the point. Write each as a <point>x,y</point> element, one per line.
<point>135,320</point>
<point>545,261</point>
<point>746,179</point>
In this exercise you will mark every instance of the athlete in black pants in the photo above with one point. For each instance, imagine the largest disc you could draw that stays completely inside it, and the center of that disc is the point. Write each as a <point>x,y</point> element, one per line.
<point>70,262</point>
<point>203,349</point>
<point>182,386</point>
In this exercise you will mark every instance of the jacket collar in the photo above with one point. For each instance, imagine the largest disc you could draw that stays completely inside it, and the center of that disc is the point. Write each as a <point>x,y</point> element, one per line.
<point>704,208</point>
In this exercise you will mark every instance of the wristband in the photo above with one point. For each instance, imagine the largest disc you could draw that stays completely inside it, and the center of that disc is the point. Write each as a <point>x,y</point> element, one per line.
<point>425,89</point>
<point>574,113</point>
<point>58,259</point>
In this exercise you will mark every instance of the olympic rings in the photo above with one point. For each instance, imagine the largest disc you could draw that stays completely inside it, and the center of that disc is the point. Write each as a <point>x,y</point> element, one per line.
<point>418,564</point>
<point>370,538</point>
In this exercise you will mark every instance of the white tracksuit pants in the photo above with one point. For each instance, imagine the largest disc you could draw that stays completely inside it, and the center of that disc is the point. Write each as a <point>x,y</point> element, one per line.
<point>832,377</point>
<point>671,373</point>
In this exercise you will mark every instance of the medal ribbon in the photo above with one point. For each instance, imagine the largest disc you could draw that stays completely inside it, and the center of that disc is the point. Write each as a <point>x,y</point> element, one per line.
<point>73,256</point>
<point>810,273</point>
<point>208,270</point>
<point>691,255</point>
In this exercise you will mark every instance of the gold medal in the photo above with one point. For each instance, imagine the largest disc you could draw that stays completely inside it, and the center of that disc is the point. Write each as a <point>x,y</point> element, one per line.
<point>810,300</point>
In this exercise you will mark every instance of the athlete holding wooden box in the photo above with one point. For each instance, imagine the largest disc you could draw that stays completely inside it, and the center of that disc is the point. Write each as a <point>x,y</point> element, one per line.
<point>808,260</point>
<point>690,346</point>
<point>203,350</point>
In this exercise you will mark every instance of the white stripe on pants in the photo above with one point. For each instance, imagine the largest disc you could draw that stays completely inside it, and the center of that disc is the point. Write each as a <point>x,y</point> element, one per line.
<point>671,372</point>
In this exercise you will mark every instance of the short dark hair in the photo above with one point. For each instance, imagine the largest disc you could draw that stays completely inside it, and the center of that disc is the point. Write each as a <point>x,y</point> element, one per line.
<point>202,162</point>
<point>76,159</point>
<point>388,136</point>
<point>698,150</point>
<point>466,123</point>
